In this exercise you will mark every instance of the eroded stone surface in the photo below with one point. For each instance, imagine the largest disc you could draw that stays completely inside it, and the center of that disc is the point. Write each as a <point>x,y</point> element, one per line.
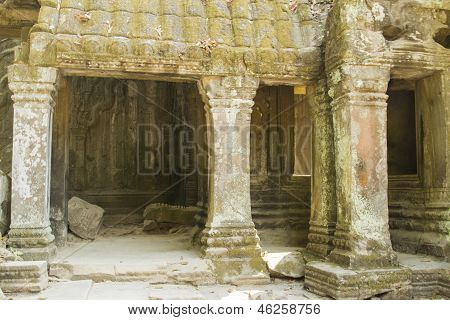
<point>201,37</point>
<point>366,44</point>
<point>5,214</point>
<point>322,223</point>
<point>85,219</point>
<point>33,95</point>
<point>229,238</point>
<point>158,217</point>
<point>6,133</point>
<point>23,276</point>
<point>139,290</point>
<point>289,264</point>
<point>329,279</point>
<point>358,92</point>
<point>156,258</point>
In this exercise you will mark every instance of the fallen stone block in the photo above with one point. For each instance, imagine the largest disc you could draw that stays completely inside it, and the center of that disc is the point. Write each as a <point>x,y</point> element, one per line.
<point>85,219</point>
<point>159,216</point>
<point>7,255</point>
<point>2,295</point>
<point>285,264</point>
<point>23,276</point>
<point>151,225</point>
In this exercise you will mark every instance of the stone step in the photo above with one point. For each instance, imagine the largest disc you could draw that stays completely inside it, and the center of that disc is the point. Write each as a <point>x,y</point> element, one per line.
<point>196,272</point>
<point>23,276</point>
<point>67,290</point>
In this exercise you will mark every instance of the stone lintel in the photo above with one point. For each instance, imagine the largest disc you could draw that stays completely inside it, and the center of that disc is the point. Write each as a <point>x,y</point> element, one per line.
<point>329,279</point>
<point>23,276</point>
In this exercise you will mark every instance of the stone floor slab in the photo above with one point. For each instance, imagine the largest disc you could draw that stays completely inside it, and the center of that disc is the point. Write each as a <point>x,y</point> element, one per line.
<point>168,258</point>
<point>67,290</point>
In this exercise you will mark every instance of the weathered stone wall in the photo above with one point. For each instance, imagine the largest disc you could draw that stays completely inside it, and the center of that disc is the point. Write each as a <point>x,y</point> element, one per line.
<point>112,163</point>
<point>214,37</point>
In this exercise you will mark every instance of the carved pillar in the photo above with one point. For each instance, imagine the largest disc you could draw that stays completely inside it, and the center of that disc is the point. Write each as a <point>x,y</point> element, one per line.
<point>59,164</point>
<point>431,234</point>
<point>322,223</point>
<point>33,95</point>
<point>357,65</point>
<point>360,118</point>
<point>229,238</point>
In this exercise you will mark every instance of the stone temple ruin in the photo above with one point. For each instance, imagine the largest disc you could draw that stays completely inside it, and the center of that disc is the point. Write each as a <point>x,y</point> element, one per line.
<point>319,127</point>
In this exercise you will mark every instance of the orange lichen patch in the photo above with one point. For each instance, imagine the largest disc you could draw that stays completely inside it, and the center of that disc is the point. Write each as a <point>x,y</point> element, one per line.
<point>83,17</point>
<point>367,140</point>
<point>293,6</point>
<point>208,45</point>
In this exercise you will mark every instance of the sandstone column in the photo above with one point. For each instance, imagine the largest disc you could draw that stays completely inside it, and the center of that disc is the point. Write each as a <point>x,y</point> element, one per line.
<point>357,63</point>
<point>229,238</point>
<point>323,196</point>
<point>33,95</point>
<point>360,118</point>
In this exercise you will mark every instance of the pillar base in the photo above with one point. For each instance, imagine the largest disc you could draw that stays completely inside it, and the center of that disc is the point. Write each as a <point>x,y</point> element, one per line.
<point>236,255</point>
<point>23,276</point>
<point>328,279</point>
<point>374,259</point>
<point>320,240</point>
<point>34,244</point>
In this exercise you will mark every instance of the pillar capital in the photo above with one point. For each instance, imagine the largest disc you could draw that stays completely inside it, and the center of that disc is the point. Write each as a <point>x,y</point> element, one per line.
<point>229,92</point>
<point>32,87</point>
<point>27,73</point>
